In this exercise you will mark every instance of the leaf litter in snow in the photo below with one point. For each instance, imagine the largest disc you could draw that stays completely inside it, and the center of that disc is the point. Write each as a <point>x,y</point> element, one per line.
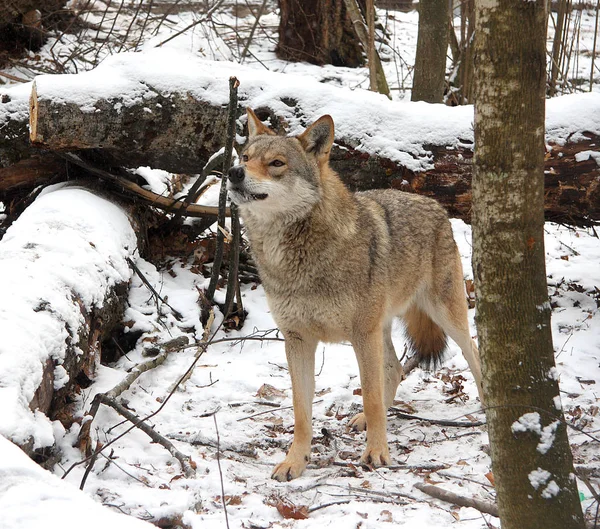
<point>142,479</point>
<point>232,382</point>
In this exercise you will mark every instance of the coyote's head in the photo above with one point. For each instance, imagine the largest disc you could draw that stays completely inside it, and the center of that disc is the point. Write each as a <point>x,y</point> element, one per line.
<point>281,175</point>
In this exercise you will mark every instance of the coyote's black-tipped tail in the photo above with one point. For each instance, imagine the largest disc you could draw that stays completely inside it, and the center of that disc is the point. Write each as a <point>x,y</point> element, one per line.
<point>425,338</point>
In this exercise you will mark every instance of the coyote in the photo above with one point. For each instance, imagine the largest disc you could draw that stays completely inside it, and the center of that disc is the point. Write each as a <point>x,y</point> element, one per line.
<point>339,266</point>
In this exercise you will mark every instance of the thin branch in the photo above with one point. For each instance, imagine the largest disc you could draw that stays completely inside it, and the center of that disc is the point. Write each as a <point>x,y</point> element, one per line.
<point>195,191</point>
<point>442,422</point>
<point>464,501</point>
<point>14,78</point>
<point>325,505</point>
<point>186,462</point>
<point>176,313</point>
<point>193,24</point>
<point>221,471</point>
<point>251,36</point>
<point>91,464</point>
<point>149,416</point>
<point>229,141</point>
<point>153,199</point>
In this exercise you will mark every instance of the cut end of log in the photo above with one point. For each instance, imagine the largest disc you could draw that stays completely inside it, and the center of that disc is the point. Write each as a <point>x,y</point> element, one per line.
<point>33,115</point>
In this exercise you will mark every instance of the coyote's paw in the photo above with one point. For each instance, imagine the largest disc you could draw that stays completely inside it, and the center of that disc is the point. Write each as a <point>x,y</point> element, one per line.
<point>358,423</point>
<point>376,457</point>
<point>290,468</point>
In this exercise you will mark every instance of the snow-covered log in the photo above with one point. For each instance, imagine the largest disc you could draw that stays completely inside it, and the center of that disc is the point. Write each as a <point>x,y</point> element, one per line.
<point>14,128</point>
<point>168,110</point>
<point>34,498</point>
<point>63,278</point>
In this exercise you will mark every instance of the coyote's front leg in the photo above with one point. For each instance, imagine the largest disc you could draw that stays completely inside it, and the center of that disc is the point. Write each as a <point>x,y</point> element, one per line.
<point>368,347</point>
<point>300,352</point>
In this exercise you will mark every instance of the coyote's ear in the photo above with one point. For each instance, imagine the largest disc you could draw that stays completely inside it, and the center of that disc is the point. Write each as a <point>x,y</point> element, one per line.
<point>318,138</point>
<point>255,126</point>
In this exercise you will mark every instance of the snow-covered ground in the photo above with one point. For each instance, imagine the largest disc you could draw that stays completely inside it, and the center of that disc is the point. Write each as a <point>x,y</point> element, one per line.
<point>233,379</point>
<point>233,416</point>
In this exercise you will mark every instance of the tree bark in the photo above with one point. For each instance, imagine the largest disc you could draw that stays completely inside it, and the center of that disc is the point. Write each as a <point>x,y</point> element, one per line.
<point>376,72</point>
<point>174,132</point>
<point>432,44</point>
<point>530,451</point>
<point>319,32</point>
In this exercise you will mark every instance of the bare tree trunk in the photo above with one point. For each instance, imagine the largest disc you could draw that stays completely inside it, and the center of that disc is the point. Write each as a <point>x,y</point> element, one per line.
<point>557,44</point>
<point>432,45</point>
<point>371,45</point>
<point>376,73</point>
<point>531,457</point>
<point>317,31</point>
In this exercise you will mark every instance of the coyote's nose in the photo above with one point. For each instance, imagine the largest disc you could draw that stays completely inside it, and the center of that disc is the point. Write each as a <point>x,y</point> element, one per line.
<point>236,174</point>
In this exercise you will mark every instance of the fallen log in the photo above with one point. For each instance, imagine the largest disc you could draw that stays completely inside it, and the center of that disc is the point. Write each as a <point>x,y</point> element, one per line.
<point>174,120</point>
<point>64,282</point>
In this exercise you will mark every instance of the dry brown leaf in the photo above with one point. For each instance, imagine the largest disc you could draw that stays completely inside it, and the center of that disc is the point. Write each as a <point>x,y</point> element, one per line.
<point>357,391</point>
<point>233,500</point>
<point>404,407</point>
<point>386,516</point>
<point>490,478</point>
<point>266,391</point>
<point>288,510</point>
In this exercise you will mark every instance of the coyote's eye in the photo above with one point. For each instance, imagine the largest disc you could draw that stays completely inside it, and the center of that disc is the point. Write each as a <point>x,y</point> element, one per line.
<point>277,163</point>
<point>244,157</point>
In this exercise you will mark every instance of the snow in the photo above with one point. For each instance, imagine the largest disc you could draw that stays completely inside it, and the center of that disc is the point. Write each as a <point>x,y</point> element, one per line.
<point>529,422</point>
<point>547,437</point>
<point>33,498</point>
<point>140,478</point>
<point>367,121</point>
<point>68,247</point>
<point>539,477</point>
<point>551,490</point>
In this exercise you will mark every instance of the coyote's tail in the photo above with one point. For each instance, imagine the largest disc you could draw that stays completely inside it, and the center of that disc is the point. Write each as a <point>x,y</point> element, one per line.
<point>425,338</point>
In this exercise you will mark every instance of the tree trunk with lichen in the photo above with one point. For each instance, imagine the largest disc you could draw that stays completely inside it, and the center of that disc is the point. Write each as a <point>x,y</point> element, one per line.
<point>531,457</point>
<point>319,32</point>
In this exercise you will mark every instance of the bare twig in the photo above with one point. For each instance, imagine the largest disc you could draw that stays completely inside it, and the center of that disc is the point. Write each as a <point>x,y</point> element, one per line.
<point>14,78</point>
<point>251,36</point>
<point>229,140</point>
<point>583,476</point>
<point>195,191</point>
<point>158,201</point>
<point>90,465</point>
<point>234,261</point>
<point>456,499</point>
<point>442,422</point>
<point>149,416</point>
<point>221,472</point>
<point>157,296</point>
<point>594,45</point>
<point>199,351</point>
<point>186,462</point>
<point>428,467</point>
<point>325,505</point>
<point>193,24</point>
